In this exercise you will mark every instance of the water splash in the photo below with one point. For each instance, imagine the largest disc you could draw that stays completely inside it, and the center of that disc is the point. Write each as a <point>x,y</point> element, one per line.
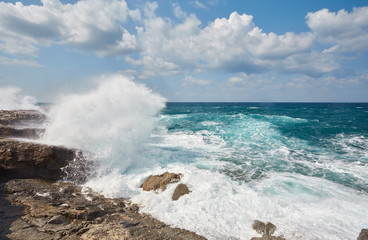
<point>113,121</point>
<point>11,99</point>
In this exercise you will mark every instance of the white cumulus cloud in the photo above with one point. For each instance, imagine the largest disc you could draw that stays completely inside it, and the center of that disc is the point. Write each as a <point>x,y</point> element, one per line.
<point>231,44</point>
<point>344,30</point>
<point>89,25</point>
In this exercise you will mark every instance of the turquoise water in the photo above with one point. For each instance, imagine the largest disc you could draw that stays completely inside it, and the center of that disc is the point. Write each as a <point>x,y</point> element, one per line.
<point>301,166</point>
<point>246,141</point>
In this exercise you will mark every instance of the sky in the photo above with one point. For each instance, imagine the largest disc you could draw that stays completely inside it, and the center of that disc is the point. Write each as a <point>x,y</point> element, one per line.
<point>189,51</point>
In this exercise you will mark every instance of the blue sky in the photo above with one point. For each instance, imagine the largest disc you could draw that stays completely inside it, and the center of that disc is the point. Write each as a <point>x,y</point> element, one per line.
<point>195,50</point>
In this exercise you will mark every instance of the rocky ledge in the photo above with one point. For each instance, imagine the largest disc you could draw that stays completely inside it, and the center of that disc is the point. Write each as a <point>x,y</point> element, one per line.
<point>21,117</point>
<point>37,209</point>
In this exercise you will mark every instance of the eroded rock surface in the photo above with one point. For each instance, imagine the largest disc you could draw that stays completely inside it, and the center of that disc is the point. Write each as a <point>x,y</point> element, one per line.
<point>266,229</point>
<point>21,117</point>
<point>20,159</point>
<point>155,182</point>
<point>44,210</point>
<point>8,131</point>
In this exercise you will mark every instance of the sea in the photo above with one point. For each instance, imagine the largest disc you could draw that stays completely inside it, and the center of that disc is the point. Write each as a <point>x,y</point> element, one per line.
<point>301,166</point>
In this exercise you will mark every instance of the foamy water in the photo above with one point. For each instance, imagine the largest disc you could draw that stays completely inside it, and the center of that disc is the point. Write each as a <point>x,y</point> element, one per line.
<point>287,164</point>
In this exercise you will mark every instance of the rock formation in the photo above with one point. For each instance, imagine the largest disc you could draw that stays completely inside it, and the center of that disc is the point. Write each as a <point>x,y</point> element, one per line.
<point>155,182</point>
<point>21,117</point>
<point>363,235</point>
<point>8,131</point>
<point>35,209</point>
<point>33,160</point>
<point>180,190</point>
<point>266,229</point>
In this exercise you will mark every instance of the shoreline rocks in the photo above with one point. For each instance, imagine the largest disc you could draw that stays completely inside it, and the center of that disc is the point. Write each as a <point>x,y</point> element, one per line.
<point>38,209</point>
<point>179,191</point>
<point>34,206</point>
<point>33,160</point>
<point>21,117</point>
<point>266,229</point>
<point>156,182</point>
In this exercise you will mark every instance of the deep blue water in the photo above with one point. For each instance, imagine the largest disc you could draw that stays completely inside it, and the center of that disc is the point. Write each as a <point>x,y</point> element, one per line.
<point>247,141</point>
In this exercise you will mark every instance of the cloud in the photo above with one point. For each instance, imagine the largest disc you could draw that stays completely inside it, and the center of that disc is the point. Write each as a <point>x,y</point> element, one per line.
<point>178,11</point>
<point>231,44</point>
<point>198,4</point>
<point>196,81</point>
<point>343,30</point>
<point>89,25</point>
<point>18,62</point>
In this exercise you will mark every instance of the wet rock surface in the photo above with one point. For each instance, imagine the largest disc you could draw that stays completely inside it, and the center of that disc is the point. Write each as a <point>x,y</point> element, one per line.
<point>180,190</point>
<point>266,229</point>
<point>21,117</point>
<point>37,209</point>
<point>155,182</point>
<point>363,235</point>
<point>7,131</point>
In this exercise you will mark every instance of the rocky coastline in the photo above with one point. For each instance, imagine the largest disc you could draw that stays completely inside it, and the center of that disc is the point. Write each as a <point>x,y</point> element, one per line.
<point>36,204</point>
<point>40,197</point>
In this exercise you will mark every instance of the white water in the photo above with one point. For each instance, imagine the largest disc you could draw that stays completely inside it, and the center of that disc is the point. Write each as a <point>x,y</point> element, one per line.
<point>12,99</point>
<point>219,208</point>
<point>115,122</point>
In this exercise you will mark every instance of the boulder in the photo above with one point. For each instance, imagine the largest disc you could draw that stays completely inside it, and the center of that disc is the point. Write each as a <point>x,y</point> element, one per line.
<point>155,182</point>
<point>363,235</point>
<point>180,190</point>
<point>33,160</point>
<point>266,229</point>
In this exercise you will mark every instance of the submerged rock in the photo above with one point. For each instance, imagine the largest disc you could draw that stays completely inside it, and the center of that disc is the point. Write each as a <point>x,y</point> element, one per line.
<point>33,160</point>
<point>155,182</point>
<point>363,235</point>
<point>180,190</point>
<point>266,229</point>
<point>35,209</point>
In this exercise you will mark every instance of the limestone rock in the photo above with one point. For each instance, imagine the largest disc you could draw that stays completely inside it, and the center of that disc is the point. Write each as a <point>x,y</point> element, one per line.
<point>363,235</point>
<point>7,131</point>
<point>180,190</point>
<point>20,117</point>
<point>33,160</point>
<point>155,182</point>
<point>266,229</point>
<point>35,209</point>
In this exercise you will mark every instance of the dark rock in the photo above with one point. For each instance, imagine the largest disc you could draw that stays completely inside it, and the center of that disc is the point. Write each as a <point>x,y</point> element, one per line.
<point>266,229</point>
<point>33,160</point>
<point>363,235</point>
<point>21,117</point>
<point>155,182</point>
<point>180,190</point>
